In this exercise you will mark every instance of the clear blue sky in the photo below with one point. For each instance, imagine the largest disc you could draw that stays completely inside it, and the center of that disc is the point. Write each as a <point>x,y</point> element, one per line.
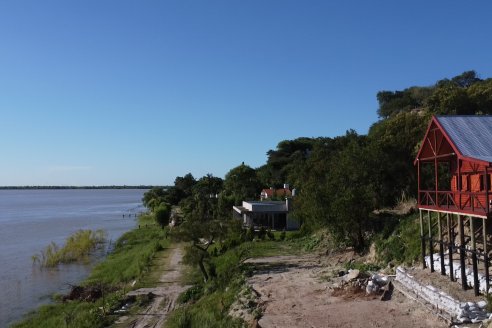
<point>99,92</point>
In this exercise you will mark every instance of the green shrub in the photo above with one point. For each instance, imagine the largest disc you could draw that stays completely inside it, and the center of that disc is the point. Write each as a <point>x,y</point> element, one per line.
<point>362,267</point>
<point>262,233</point>
<point>401,246</point>
<point>250,234</point>
<point>162,214</point>
<point>191,294</point>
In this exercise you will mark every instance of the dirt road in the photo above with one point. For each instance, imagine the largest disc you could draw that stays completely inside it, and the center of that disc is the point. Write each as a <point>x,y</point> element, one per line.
<point>165,294</point>
<point>295,292</point>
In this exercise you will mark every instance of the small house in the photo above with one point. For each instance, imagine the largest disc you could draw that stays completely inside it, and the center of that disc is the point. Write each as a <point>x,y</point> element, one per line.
<point>273,193</point>
<point>275,215</point>
<point>454,166</point>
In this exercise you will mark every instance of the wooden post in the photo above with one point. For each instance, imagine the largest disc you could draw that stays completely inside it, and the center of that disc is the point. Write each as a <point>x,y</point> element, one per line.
<point>462,251</point>
<point>436,175</point>
<point>450,247</point>
<point>460,184</point>
<point>431,243</point>
<point>441,244</point>
<point>418,182</point>
<point>485,255</point>
<point>422,239</point>
<point>474,259</point>
<point>486,186</point>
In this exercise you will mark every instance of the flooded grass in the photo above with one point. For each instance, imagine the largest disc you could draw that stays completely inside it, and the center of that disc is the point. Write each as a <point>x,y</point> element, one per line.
<point>129,261</point>
<point>77,247</point>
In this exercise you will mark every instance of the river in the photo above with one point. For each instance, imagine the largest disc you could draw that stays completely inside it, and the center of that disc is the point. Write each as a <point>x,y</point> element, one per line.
<point>31,219</point>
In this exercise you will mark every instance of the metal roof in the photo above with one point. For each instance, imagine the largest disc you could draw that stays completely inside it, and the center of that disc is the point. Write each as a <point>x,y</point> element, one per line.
<point>472,135</point>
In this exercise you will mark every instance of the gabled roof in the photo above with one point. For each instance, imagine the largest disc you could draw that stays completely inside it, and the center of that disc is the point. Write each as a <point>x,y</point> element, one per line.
<point>278,192</point>
<point>472,135</point>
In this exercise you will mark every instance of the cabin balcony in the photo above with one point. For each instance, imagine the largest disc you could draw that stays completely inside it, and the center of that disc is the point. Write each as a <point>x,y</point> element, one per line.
<point>460,202</point>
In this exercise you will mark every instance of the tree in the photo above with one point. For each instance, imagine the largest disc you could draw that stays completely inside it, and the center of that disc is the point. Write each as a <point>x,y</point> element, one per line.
<point>352,194</point>
<point>466,79</point>
<point>281,161</point>
<point>202,223</point>
<point>450,98</point>
<point>162,214</point>
<point>153,197</point>
<point>201,234</point>
<point>393,142</point>
<point>481,95</point>
<point>185,184</point>
<point>241,183</point>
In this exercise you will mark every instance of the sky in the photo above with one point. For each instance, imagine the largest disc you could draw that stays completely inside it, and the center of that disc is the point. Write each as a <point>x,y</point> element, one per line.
<point>115,92</point>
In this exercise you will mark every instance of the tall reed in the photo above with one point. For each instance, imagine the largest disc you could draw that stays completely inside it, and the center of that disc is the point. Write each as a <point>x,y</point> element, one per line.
<point>77,247</point>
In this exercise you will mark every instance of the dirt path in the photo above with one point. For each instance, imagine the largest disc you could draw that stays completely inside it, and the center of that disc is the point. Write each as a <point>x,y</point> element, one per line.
<point>295,292</point>
<point>165,295</point>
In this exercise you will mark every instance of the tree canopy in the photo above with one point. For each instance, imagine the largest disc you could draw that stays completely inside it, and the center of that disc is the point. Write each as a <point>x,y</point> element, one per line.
<point>342,180</point>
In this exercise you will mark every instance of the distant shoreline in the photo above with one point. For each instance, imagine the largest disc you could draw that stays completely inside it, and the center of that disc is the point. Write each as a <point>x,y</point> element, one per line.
<point>74,187</point>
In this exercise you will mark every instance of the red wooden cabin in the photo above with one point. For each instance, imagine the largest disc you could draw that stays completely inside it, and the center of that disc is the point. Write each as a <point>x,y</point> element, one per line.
<point>455,165</point>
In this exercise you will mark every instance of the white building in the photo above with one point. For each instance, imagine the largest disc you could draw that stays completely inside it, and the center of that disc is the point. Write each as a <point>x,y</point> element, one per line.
<point>273,215</point>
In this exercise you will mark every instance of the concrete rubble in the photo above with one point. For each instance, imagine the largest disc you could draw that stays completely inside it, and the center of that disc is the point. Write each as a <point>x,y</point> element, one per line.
<point>457,271</point>
<point>463,312</point>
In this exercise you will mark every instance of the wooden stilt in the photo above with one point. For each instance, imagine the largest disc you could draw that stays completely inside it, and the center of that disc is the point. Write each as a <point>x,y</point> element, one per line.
<point>476,286</point>
<point>441,244</point>
<point>462,252</point>
<point>422,239</point>
<point>450,247</point>
<point>485,255</point>
<point>431,243</point>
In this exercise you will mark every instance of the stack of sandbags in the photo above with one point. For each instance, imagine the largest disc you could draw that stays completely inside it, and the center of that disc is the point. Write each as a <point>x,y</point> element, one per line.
<point>376,283</point>
<point>464,312</point>
<point>473,312</point>
<point>457,272</point>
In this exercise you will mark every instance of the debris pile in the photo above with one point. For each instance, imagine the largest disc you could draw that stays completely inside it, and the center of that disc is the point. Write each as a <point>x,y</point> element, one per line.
<point>350,278</point>
<point>79,293</point>
<point>356,284</point>
<point>467,312</point>
<point>457,271</point>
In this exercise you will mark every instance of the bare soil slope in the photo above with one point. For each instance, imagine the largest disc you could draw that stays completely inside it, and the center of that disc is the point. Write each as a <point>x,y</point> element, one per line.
<point>295,292</point>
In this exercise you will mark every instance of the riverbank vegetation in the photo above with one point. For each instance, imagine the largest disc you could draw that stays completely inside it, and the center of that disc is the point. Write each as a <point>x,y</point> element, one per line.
<point>125,268</point>
<point>207,303</point>
<point>77,247</point>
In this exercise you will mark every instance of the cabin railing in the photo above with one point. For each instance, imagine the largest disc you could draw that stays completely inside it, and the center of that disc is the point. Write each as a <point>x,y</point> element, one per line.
<point>462,201</point>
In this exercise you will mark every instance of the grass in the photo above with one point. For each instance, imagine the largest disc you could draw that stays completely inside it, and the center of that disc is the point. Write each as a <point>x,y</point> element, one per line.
<point>77,247</point>
<point>129,261</point>
<point>401,245</point>
<point>131,257</point>
<point>207,304</point>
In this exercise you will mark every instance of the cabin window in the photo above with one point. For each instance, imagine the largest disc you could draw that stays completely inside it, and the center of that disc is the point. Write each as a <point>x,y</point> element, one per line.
<point>485,182</point>
<point>444,175</point>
